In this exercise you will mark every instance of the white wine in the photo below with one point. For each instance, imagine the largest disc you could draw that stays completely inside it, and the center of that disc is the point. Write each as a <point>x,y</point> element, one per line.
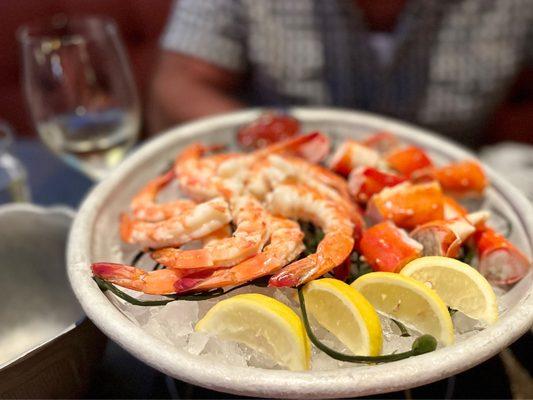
<point>94,142</point>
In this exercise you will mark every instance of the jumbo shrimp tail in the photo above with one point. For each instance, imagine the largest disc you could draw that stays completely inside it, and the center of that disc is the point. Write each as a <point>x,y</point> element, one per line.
<point>120,274</point>
<point>150,282</point>
<point>192,151</point>
<point>296,273</point>
<point>292,144</point>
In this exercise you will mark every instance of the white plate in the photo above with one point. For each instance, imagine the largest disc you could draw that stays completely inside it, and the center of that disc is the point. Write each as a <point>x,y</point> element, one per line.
<point>94,237</point>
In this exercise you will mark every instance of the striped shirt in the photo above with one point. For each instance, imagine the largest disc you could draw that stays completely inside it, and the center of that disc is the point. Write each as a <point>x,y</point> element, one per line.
<point>446,65</point>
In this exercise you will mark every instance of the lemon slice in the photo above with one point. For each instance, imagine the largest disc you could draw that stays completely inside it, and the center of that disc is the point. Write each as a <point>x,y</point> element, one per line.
<point>344,312</point>
<point>408,301</point>
<point>459,285</point>
<point>263,324</point>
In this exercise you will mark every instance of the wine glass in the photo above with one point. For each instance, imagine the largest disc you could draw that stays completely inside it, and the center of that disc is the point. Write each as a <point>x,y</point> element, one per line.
<point>13,176</point>
<point>80,91</point>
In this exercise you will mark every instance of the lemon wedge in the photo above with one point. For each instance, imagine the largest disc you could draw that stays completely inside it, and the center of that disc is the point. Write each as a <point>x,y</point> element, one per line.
<point>263,324</point>
<point>408,301</point>
<point>344,312</point>
<point>460,286</point>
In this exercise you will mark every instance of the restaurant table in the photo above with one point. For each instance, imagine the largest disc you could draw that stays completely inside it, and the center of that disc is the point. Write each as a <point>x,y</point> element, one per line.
<point>120,375</point>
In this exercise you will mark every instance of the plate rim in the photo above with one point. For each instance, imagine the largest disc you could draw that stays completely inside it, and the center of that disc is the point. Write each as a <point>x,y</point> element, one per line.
<point>359,380</point>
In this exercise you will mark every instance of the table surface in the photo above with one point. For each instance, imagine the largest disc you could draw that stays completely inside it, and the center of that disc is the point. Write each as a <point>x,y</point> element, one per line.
<point>122,376</point>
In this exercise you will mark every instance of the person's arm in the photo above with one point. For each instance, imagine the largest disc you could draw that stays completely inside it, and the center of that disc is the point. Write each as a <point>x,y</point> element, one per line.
<point>185,87</point>
<point>202,62</point>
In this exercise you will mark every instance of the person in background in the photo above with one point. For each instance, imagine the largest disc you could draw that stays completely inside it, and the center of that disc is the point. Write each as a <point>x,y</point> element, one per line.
<point>445,65</point>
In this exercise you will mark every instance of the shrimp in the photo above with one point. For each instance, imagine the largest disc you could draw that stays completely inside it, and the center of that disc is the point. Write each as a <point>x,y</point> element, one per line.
<point>197,175</point>
<point>305,170</point>
<point>219,234</point>
<point>240,167</point>
<point>151,282</point>
<point>248,239</point>
<point>287,169</point>
<point>224,174</point>
<point>315,176</point>
<point>191,224</point>
<point>301,201</point>
<point>286,243</point>
<point>299,146</point>
<point>145,208</point>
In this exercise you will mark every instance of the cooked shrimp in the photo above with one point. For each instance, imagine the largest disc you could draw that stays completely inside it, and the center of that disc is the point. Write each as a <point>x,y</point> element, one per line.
<point>219,234</point>
<point>286,243</point>
<point>191,224</point>
<point>197,175</point>
<point>293,145</point>
<point>305,171</point>
<point>240,166</point>
<point>302,202</point>
<point>248,239</point>
<point>319,179</point>
<point>151,282</point>
<point>204,177</point>
<point>145,208</point>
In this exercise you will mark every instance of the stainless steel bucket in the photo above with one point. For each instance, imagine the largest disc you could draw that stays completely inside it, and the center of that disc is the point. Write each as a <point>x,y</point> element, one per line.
<point>47,346</point>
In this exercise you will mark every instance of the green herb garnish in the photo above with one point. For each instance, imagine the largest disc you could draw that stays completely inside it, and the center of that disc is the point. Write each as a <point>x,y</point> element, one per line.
<point>403,329</point>
<point>423,344</point>
<point>357,267</point>
<point>137,257</point>
<point>211,294</point>
<point>312,237</point>
<point>468,253</point>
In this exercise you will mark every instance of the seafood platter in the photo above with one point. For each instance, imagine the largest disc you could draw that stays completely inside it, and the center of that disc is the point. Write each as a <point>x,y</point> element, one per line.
<point>309,253</point>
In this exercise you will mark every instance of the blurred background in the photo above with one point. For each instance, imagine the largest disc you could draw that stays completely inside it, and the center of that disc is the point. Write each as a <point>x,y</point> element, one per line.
<point>462,68</point>
<point>142,22</point>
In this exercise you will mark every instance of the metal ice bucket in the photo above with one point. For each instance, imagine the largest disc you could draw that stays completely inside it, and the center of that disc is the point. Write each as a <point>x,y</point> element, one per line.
<point>47,346</point>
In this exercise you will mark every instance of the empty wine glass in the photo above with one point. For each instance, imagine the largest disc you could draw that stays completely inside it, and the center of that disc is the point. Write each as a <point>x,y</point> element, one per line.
<point>80,91</point>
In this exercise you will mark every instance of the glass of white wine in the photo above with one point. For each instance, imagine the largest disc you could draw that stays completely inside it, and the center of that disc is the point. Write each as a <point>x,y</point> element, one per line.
<point>13,176</point>
<point>80,91</point>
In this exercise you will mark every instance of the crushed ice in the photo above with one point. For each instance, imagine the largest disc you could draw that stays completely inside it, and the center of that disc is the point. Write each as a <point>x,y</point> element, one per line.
<point>174,324</point>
